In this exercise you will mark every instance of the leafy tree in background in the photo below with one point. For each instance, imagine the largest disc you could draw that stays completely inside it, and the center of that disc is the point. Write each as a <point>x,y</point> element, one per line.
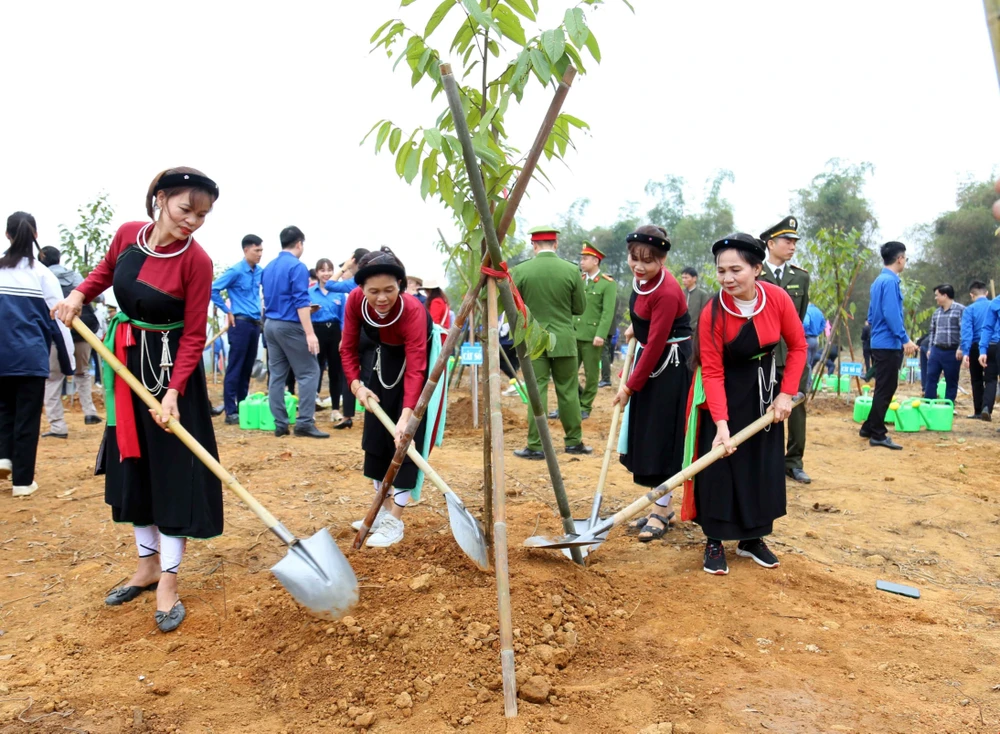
<point>835,200</point>
<point>83,246</point>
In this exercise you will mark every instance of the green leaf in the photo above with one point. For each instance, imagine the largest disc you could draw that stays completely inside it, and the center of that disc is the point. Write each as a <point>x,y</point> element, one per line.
<point>407,2</point>
<point>523,8</point>
<point>428,171</point>
<point>381,28</point>
<point>575,121</point>
<point>479,15</point>
<point>591,44</point>
<point>509,24</point>
<point>437,16</point>
<point>383,133</point>
<point>574,56</point>
<point>576,26</point>
<point>401,156</point>
<point>394,139</point>
<point>412,166</point>
<point>94,210</point>
<point>554,44</point>
<point>433,137</point>
<point>540,66</point>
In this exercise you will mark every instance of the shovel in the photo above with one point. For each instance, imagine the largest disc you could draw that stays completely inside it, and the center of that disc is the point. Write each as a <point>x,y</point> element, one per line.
<point>597,534</point>
<point>314,570</point>
<point>464,527</point>
<point>583,526</point>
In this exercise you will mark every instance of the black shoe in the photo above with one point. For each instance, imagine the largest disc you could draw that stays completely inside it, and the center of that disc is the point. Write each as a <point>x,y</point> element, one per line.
<point>280,431</point>
<point>975,417</point>
<point>169,621</point>
<point>232,420</point>
<point>986,416</point>
<point>124,594</point>
<point>344,423</point>
<point>886,442</point>
<point>757,550</point>
<point>52,434</point>
<point>579,449</point>
<point>715,559</point>
<point>92,420</point>
<point>554,415</point>
<point>864,433</point>
<point>798,475</point>
<point>584,415</point>
<point>310,432</point>
<point>218,410</point>
<point>604,383</point>
<point>527,453</point>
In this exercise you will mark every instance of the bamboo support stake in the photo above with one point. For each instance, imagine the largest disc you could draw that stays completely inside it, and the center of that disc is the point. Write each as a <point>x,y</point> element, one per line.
<point>493,243</point>
<point>506,219</point>
<point>500,510</point>
<point>484,386</point>
<point>992,8</point>
<point>833,330</point>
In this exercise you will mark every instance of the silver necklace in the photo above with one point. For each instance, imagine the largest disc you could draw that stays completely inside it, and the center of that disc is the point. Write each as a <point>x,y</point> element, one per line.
<point>761,300</point>
<point>371,322</point>
<point>635,284</point>
<point>143,245</point>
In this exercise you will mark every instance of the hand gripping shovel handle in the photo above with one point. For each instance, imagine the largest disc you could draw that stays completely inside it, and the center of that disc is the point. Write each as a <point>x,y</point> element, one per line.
<point>186,438</point>
<point>595,510</point>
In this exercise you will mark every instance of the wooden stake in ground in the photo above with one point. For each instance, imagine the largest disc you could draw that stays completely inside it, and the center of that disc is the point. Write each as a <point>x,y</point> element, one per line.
<point>500,509</point>
<point>833,330</point>
<point>506,220</point>
<point>992,8</point>
<point>509,306</point>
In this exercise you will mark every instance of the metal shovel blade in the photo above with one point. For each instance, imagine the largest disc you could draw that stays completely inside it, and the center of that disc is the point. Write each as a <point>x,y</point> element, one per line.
<point>582,527</point>
<point>564,541</point>
<point>467,531</point>
<point>317,574</point>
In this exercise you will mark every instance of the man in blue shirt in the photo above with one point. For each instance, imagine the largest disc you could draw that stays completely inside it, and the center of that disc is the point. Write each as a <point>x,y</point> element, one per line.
<point>889,342</point>
<point>291,341</point>
<point>989,341</point>
<point>242,286</point>
<point>973,318</point>
<point>814,325</point>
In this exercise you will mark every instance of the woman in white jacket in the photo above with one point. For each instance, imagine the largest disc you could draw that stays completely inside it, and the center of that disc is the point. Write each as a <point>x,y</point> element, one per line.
<point>28,290</point>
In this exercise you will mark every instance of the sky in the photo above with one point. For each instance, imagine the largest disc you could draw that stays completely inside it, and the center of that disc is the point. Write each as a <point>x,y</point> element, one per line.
<point>272,100</point>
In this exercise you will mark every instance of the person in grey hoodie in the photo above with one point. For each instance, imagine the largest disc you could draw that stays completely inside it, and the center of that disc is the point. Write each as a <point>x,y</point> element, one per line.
<point>68,280</point>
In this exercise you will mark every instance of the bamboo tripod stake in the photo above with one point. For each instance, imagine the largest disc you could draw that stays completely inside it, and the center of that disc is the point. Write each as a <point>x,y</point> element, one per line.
<point>500,509</point>
<point>833,330</point>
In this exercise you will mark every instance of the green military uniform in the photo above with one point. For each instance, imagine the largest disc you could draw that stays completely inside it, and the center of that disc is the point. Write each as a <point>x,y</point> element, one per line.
<point>553,292</point>
<point>601,292</point>
<point>795,281</point>
<point>697,298</point>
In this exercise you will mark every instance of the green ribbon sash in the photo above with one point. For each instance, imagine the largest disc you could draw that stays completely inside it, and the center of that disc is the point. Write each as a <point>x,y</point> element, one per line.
<point>691,435</point>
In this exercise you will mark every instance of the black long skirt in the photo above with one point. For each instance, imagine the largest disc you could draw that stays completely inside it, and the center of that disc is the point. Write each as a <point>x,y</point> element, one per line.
<point>167,485</point>
<point>740,496</point>
<point>656,422</point>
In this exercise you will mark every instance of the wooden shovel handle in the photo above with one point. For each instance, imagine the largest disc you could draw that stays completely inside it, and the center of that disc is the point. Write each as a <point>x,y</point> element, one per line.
<point>174,425</point>
<point>615,415</point>
<point>411,450</point>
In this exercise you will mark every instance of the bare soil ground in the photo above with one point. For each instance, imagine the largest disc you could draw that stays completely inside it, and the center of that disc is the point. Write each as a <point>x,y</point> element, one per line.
<point>640,638</point>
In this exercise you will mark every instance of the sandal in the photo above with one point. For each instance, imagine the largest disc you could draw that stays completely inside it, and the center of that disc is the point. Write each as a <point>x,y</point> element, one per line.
<point>635,526</point>
<point>655,533</point>
<point>124,594</point>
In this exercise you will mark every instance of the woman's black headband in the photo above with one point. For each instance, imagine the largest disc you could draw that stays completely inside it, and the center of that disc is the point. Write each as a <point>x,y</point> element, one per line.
<point>184,181</point>
<point>381,264</point>
<point>659,243</point>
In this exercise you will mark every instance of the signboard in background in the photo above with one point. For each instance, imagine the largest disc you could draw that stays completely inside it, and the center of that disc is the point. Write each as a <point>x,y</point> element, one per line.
<point>472,354</point>
<point>912,362</point>
<point>852,369</point>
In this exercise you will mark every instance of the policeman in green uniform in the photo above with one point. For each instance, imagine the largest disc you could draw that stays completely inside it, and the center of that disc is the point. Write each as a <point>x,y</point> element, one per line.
<point>553,292</point>
<point>594,324</point>
<point>781,240</point>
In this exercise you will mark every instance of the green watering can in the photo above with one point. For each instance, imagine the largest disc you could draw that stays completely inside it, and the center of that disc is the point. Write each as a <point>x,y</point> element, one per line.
<point>939,415</point>
<point>250,411</point>
<point>266,422</point>
<point>908,416</point>
<point>862,407</point>
<point>941,389</point>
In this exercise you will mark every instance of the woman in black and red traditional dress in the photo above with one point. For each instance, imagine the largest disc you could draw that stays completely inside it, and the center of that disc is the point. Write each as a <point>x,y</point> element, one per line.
<point>656,391</point>
<point>162,280</point>
<point>741,495</point>
<point>385,351</point>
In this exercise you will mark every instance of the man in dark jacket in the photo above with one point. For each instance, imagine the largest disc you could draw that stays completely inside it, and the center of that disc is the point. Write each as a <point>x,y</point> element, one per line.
<point>68,280</point>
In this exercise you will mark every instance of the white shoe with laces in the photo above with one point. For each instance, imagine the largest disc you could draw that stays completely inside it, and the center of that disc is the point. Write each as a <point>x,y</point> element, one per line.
<point>6,468</point>
<point>510,392</point>
<point>389,533</point>
<point>25,491</point>
<point>382,512</point>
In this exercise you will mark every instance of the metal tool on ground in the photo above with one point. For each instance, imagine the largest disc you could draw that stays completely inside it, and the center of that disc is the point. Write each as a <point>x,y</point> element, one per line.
<point>598,533</point>
<point>583,526</point>
<point>464,527</point>
<point>314,571</point>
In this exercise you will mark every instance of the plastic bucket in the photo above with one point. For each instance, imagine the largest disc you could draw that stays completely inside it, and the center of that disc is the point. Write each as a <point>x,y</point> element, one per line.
<point>862,407</point>
<point>908,418</point>
<point>939,414</point>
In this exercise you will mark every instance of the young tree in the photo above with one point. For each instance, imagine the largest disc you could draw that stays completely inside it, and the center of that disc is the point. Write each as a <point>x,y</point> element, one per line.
<point>835,200</point>
<point>84,246</point>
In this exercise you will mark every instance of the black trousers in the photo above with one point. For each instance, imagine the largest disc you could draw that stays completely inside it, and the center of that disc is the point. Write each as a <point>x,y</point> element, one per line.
<point>607,357</point>
<point>328,335</point>
<point>511,353</point>
<point>21,400</point>
<point>992,372</point>
<point>978,377</point>
<point>888,362</point>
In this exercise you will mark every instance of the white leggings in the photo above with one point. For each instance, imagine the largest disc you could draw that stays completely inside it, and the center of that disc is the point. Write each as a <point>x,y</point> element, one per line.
<point>664,501</point>
<point>400,496</point>
<point>150,541</point>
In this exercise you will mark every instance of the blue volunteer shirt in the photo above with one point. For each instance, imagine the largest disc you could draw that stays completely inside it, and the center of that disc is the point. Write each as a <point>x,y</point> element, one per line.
<point>815,322</point>
<point>885,312</point>
<point>973,318</point>
<point>991,326</point>
<point>331,304</point>
<point>242,284</point>
<point>286,288</point>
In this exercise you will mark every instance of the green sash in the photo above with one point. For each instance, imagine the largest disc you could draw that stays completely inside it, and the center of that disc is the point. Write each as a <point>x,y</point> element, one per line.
<point>691,435</point>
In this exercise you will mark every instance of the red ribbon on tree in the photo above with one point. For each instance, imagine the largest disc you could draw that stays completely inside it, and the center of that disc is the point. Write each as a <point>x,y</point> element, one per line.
<point>504,274</point>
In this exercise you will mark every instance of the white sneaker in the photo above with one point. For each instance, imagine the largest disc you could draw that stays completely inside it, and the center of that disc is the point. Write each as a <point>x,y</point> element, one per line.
<point>6,468</point>
<point>25,491</point>
<point>510,392</point>
<point>382,512</point>
<point>389,533</point>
